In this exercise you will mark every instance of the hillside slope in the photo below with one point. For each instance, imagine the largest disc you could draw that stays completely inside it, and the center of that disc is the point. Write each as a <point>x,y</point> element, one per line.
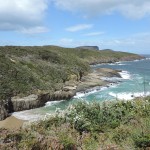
<point>31,76</point>
<point>24,70</point>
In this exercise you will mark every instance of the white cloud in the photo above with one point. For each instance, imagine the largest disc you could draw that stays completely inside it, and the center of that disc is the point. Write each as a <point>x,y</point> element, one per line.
<point>79,27</point>
<point>34,30</point>
<point>16,15</point>
<point>94,34</point>
<point>137,43</point>
<point>135,9</point>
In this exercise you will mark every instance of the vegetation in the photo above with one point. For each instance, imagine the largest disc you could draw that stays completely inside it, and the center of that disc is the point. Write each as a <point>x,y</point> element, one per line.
<point>118,125</point>
<point>110,125</point>
<point>26,70</point>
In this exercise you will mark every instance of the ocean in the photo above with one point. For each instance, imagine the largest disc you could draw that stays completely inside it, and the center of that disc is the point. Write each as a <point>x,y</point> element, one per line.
<point>135,82</point>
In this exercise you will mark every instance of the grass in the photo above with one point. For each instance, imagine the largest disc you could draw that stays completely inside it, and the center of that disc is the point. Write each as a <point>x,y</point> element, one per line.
<point>89,126</point>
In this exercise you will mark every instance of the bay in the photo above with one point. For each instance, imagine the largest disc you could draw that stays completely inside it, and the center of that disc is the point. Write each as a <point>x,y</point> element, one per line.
<point>135,82</point>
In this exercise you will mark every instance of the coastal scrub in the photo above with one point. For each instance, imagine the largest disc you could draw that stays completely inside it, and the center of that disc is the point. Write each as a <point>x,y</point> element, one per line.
<point>89,126</point>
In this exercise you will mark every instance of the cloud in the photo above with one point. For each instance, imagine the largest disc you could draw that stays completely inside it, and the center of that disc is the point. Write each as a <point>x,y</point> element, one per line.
<point>137,43</point>
<point>94,34</point>
<point>34,30</point>
<point>135,9</point>
<point>79,27</point>
<point>17,15</point>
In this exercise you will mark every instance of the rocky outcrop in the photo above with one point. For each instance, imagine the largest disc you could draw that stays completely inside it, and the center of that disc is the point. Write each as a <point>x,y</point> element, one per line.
<point>35,101</point>
<point>5,108</point>
<point>26,103</point>
<point>95,78</point>
<point>3,111</point>
<point>88,47</point>
<point>107,72</point>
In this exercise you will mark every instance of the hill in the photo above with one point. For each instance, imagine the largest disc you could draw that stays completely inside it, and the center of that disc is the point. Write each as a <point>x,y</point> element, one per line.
<point>23,70</point>
<point>43,70</point>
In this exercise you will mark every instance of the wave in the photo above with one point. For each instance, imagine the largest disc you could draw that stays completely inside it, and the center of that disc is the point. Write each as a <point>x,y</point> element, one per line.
<point>34,114</point>
<point>93,90</point>
<point>122,64</point>
<point>27,115</point>
<point>128,96</point>
<point>148,58</point>
<point>125,75</point>
<point>111,79</point>
<point>51,103</point>
<point>86,93</point>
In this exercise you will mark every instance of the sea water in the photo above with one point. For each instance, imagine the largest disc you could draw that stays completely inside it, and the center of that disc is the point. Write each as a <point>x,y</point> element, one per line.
<point>135,82</point>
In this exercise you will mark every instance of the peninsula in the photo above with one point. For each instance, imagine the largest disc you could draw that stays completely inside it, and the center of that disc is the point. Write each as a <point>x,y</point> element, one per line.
<point>31,76</point>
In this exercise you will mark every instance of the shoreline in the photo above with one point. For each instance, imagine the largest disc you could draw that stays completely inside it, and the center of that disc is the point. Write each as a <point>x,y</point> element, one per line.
<point>85,88</point>
<point>119,62</point>
<point>89,82</point>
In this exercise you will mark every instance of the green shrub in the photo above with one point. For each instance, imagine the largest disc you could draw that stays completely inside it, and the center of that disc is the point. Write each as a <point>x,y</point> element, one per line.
<point>67,141</point>
<point>142,141</point>
<point>121,134</point>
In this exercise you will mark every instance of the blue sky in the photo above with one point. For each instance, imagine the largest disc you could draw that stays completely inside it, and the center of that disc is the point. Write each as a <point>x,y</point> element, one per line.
<point>121,25</point>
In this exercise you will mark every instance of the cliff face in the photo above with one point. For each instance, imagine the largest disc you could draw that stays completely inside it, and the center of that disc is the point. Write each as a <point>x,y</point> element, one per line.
<point>3,111</point>
<point>31,102</point>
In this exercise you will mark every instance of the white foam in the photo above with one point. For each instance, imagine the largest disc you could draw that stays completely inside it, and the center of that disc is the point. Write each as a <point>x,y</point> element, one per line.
<point>79,95</point>
<point>112,79</point>
<point>125,75</point>
<point>94,90</point>
<point>128,96</point>
<point>86,93</point>
<point>52,103</point>
<point>112,64</point>
<point>27,115</point>
<point>122,64</point>
<point>117,63</point>
<point>136,60</point>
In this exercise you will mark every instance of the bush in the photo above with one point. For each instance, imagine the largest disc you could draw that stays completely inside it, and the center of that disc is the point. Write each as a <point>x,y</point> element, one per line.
<point>142,141</point>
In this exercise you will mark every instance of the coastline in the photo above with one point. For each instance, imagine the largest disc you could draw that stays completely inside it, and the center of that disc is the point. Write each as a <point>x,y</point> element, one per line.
<point>93,79</point>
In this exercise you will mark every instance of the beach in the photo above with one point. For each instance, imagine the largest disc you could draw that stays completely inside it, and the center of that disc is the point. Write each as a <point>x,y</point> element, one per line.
<point>11,123</point>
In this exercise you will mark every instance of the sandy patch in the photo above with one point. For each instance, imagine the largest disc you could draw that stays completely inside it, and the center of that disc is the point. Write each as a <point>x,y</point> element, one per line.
<point>11,123</point>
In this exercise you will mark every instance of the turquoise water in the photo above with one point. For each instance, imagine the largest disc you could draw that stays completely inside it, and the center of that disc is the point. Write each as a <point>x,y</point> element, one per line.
<point>135,82</point>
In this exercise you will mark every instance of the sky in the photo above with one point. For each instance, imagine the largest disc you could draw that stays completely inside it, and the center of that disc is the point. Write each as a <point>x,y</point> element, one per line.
<point>121,25</point>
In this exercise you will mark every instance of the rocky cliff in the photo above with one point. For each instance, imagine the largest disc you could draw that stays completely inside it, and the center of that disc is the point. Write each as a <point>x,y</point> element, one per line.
<point>3,110</point>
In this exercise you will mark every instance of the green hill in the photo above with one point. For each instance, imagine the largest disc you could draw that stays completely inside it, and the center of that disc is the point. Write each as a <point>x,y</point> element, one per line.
<point>25,70</point>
